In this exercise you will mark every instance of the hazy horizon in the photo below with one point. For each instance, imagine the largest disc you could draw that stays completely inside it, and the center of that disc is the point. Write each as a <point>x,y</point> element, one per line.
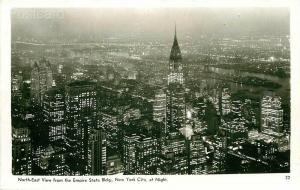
<point>139,23</point>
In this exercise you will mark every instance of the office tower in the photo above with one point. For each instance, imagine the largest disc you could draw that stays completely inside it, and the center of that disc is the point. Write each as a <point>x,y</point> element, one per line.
<point>219,155</point>
<point>175,91</point>
<point>57,162</point>
<point>21,148</point>
<point>235,129</point>
<point>81,119</point>
<point>215,99</point>
<point>271,114</point>
<point>98,152</point>
<point>17,101</point>
<point>212,118</point>
<point>50,160</point>
<point>225,102</point>
<point>129,153</point>
<point>174,155</point>
<point>16,86</point>
<point>109,122</point>
<point>140,154</point>
<point>249,112</point>
<point>197,157</point>
<point>41,80</point>
<point>174,152</point>
<point>54,112</point>
<point>45,156</point>
<point>147,155</point>
<point>159,107</point>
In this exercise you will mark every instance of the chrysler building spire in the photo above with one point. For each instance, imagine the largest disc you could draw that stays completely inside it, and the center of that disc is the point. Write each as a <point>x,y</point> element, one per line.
<point>175,63</point>
<point>175,55</point>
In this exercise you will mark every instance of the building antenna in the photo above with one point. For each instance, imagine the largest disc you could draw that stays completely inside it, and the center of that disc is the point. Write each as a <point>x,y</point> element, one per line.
<point>175,29</point>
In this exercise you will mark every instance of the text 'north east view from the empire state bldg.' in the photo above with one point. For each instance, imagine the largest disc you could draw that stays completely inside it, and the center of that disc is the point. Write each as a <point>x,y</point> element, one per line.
<point>129,91</point>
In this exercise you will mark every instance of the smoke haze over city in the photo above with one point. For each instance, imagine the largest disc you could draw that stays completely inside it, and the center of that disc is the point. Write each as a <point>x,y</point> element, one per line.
<point>147,23</point>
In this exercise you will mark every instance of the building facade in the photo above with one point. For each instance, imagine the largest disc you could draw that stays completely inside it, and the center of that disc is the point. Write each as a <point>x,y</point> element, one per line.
<point>176,112</point>
<point>21,149</point>
<point>271,114</point>
<point>159,107</point>
<point>82,119</point>
<point>41,80</point>
<point>98,145</point>
<point>54,112</point>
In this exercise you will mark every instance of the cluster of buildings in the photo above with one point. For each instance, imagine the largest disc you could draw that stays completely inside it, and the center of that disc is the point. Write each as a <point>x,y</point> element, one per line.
<point>85,128</point>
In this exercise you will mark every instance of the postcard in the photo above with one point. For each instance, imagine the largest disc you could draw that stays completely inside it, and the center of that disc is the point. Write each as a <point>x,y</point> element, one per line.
<point>155,94</point>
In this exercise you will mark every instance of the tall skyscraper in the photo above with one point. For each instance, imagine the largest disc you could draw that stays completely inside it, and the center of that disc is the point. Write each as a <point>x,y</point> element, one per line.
<point>81,115</point>
<point>220,153</point>
<point>109,122</point>
<point>129,153</point>
<point>140,154</point>
<point>54,112</point>
<point>174,156</point>
<point>159,106</point>
<point>41,80</point>
<point>197,156</point>
<point>175,91</point>
<point>17,94</point>
<point>225,102</point>
<point>54,158</point>
<point>16,85</point>
<point>21,148</point>
<point>98,152</point>
<point>147,155</point>
<point>271,114</point>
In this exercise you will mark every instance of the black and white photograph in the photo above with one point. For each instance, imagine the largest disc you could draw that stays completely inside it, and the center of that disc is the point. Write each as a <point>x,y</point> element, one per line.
<point>149,91</point>
<point>162,91</point>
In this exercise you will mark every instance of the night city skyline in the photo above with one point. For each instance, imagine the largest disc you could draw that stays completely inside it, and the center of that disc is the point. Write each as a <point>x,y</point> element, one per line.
<point>150,91</point>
